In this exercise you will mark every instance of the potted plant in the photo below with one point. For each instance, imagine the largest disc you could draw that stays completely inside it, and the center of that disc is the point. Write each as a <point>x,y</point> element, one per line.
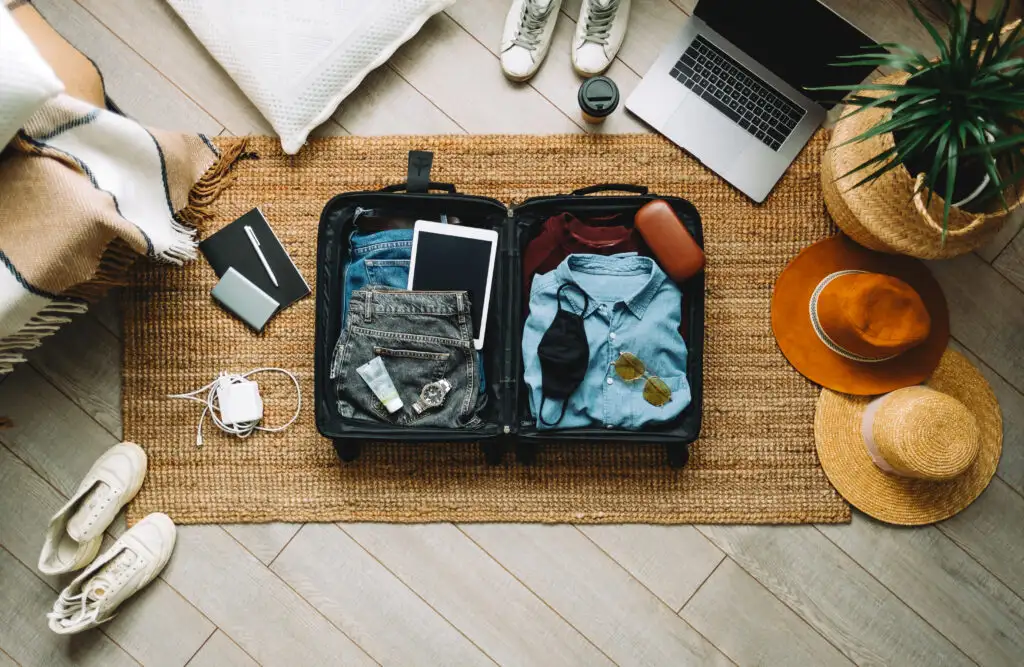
<point>929,161</point>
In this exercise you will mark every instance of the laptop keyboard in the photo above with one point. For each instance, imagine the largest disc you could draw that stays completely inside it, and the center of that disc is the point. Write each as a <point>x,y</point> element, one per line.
<point>737,92</point>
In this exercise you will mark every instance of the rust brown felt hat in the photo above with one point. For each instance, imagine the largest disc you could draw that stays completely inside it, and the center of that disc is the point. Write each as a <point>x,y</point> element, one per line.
<point>858,321</point>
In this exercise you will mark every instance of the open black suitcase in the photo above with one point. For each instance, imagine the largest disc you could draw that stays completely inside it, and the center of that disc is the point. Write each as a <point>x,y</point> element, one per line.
<point>507,417</point>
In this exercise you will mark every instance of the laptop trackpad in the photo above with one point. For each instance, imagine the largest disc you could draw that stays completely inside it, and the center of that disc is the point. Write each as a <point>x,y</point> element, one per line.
<point>707,133</point>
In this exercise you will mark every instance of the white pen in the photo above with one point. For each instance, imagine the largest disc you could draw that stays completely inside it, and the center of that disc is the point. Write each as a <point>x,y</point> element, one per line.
<point>256,246</point>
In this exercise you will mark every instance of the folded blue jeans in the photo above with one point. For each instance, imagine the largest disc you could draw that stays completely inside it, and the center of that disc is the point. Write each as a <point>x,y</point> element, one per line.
<point>378,259</point>
<point>381,260</point>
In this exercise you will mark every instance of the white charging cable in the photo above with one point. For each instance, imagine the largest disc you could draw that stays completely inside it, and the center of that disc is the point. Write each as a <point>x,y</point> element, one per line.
<point>245,403</point>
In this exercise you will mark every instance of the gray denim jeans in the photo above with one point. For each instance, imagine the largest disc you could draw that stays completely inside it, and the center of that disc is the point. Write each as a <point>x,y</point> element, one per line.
<point>422,337</point>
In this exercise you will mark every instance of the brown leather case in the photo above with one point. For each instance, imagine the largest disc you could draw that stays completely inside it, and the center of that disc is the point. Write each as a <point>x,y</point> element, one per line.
<point>674,248</point>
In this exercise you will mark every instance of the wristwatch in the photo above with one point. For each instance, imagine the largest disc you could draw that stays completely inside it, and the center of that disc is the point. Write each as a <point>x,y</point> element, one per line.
<point>432,395</point>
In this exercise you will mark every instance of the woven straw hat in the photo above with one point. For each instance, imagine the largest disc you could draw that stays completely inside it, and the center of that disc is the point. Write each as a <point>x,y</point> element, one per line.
<point>916,455</point>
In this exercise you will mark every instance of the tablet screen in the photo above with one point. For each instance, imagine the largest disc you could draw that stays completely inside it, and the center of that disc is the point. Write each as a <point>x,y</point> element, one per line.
<point>454,263</point>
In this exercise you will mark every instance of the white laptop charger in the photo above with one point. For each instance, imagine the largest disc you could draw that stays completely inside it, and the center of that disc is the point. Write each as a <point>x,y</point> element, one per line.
<point>235,405</point>
<point>239,400</point>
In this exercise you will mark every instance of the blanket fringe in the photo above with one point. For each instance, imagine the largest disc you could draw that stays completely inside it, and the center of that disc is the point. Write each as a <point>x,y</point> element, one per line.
<point>44,323</point>
<point>111,272</point>
<point>118,258</point>
<point>183,250</point>
<point>200,204</point>
<point>206,190</point>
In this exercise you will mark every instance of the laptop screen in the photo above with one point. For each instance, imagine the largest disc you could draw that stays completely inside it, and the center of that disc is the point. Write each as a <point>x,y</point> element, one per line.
<point>795,39</point>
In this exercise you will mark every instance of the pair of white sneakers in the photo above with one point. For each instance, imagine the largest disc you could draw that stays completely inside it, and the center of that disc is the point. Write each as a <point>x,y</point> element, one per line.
<point>531,23</point>
<point>75,535</point>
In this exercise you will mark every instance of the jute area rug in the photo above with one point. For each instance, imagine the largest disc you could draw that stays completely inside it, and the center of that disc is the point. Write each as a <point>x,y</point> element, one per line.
<point>754,463</point>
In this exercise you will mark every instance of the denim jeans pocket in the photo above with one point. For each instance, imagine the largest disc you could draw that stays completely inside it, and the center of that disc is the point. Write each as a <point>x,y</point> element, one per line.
<point>410,371</point>
<point>389,273</point>
<point>338,358</point>
<point>412,363</point>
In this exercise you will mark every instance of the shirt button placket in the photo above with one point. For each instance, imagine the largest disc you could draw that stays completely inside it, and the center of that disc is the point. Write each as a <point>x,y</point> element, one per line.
<point>608,397</point>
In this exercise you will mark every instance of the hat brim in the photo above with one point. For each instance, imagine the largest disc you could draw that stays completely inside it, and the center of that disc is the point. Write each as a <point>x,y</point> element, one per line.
<point>791,319</point>
<point>902,500</point>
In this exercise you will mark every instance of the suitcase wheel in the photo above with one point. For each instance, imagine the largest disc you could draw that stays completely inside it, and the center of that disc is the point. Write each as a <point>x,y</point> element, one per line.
<point>494,452</point>
<point>348,450</point>
<point>678,455</point>
<point>526,452</point>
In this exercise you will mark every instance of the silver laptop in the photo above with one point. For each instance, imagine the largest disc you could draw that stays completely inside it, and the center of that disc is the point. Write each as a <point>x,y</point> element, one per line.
<point>731,87</point>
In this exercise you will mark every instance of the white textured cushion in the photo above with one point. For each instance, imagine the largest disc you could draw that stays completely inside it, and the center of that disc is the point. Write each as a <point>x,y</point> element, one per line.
<point>26,80</point>
<point>298,60</point>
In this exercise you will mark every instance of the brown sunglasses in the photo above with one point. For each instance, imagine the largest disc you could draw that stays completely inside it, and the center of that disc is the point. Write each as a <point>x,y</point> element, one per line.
<point>629,367</point>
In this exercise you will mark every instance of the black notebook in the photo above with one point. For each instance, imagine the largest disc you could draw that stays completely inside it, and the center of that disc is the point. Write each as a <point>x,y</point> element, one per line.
<point>233,247</point>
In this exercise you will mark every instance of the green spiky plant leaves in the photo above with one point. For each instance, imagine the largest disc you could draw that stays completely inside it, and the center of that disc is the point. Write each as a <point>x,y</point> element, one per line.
<point>962,108</point>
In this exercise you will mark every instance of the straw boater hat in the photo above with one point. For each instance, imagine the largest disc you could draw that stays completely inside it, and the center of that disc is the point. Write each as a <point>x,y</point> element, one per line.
<point>858,321</point>
<point>918,454</point>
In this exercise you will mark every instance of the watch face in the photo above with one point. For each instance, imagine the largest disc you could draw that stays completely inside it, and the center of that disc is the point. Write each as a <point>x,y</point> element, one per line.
<point>433,393</point>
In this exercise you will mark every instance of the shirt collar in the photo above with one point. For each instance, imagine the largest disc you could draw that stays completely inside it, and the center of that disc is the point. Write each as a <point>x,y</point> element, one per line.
<point>578,237</point>
<point>612,265</point>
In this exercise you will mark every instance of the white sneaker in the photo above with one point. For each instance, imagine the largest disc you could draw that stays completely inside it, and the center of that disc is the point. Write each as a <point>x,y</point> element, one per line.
<point>527,36</point>
<point>131,563</point>
<point>599,34</point>
<point>76,531</point>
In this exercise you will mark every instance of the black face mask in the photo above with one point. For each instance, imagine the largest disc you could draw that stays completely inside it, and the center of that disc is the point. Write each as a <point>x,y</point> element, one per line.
<point>564,355</point>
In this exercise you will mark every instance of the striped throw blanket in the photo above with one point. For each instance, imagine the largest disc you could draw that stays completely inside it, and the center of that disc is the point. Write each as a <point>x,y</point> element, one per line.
<point>83,192</point>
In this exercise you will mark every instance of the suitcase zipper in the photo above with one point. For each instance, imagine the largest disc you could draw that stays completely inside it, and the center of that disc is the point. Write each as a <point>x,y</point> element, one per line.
<point>509,362</point>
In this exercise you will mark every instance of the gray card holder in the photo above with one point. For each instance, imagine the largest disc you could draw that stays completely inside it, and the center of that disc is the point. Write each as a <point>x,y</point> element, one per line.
<point>240,296</point>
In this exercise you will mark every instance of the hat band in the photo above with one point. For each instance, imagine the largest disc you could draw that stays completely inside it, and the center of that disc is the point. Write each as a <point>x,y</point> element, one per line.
<point>867,432</point>
<point>816,322</point>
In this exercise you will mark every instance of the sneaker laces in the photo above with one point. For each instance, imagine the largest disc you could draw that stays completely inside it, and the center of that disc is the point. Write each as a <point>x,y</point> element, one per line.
<point>73,609</point>
<point>600,18</point>
<point>89,508</point>
<point>531,24</point>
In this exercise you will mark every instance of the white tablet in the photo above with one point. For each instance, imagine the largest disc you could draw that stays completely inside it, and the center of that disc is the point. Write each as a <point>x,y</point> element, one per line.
<point>455,258</point>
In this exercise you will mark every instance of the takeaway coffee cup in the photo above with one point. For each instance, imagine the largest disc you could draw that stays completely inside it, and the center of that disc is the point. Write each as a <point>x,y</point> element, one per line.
<point>598,98</point>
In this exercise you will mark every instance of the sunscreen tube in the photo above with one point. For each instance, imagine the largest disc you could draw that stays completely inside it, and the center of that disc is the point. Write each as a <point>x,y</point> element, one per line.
<point>376,377</point>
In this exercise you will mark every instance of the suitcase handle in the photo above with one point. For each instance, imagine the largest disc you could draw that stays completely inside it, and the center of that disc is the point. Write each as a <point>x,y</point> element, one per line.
<point>605,187</point>
<point>404,187</point>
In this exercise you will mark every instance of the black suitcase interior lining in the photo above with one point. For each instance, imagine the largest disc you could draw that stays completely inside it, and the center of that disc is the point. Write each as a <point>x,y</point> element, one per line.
<point>507,411</point>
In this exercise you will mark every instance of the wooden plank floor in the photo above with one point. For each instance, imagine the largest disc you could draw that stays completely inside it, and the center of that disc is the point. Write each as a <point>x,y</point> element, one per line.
<point>442,594</point>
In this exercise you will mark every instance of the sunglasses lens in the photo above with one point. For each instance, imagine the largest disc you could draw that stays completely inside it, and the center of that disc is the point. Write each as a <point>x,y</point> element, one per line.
<point>656,392</point>
<point>629,367</point>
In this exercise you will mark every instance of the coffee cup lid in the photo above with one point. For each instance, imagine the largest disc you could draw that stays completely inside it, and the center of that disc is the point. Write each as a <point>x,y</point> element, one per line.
<point>599,96</point>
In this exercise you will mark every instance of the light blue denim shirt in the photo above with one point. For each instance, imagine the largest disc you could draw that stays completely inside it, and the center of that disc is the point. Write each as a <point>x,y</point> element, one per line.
<point>634,307</point>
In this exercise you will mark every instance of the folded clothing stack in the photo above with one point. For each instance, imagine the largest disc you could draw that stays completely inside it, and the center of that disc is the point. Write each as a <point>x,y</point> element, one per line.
<point>425,340</point>
<point>605,316</point>
<point>629,313</point>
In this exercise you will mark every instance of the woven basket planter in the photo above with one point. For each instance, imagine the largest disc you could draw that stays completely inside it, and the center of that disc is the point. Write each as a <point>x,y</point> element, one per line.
<point>886,214</point>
